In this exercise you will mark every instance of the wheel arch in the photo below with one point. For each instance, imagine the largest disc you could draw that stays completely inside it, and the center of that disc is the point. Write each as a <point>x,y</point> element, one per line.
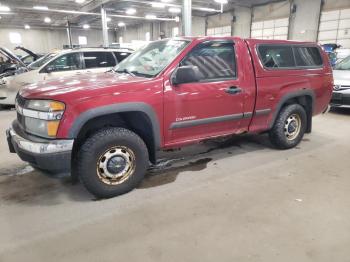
<point>138,117</point>
<point>305,98</point>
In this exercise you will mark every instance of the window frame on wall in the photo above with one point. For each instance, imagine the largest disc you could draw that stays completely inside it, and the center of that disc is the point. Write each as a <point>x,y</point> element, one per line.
<point>82,40</point>
<point>340,21</point>
<point>265,25</point>
<point>15,38</point>
<point>175,31</point>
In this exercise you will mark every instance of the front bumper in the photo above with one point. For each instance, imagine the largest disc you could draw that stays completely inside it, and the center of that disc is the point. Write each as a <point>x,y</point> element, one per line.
<point>340,99</point>
<point>51,155</point>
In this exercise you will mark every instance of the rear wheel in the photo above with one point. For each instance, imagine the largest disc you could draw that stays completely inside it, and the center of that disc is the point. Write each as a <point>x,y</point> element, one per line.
<point>289,127</point>
<point>111,162</point>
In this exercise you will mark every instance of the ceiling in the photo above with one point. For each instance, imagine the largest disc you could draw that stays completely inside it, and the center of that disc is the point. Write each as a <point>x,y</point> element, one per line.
<point>61,11</point>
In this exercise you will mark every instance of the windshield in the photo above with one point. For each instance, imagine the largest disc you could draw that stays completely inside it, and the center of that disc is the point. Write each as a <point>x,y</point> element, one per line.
<point>41,61</point>
<point>152,59</point>
<point>343,64</point>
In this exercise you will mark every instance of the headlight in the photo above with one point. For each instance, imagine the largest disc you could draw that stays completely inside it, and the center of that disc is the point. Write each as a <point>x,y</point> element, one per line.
<point>41,117</point>
<point>41,127</point>
<point>45,105</point>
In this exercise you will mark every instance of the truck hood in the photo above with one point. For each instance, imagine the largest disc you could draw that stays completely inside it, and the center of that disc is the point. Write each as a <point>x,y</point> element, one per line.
<point>98,84</point>
<point>7,53</point>
<point>341,77</point>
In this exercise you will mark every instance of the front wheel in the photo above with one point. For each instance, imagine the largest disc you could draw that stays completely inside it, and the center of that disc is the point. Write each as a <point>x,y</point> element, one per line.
<point>289,127</point>
<point>112,162</point>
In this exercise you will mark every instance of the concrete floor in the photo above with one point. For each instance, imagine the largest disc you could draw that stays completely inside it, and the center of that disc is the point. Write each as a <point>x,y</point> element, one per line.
<point>236,200</point>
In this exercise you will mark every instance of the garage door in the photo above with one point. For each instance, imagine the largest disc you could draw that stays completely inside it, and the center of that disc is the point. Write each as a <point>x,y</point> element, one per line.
<point>270,29</point>
<point>335,27</point>
<point>219,31</point>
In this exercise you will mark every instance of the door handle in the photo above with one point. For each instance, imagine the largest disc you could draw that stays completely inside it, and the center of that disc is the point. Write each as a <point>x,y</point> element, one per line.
<point>232,90</point>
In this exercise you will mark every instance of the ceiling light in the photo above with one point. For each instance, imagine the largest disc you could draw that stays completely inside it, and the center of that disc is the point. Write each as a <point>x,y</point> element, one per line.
<point>40,7</point>
<point>207,9</point>
<point>121,24</point>
<point>47,20</point>
<point>79,1</point>
<point>221,1</point>
<point>158,5</point>
<point>26,26</point>
<point>86,26</point>
<point>175,10</point>
<point>151,17</point>
<point>130,11</point>
<point>108,19</point>
<point>4,8</point>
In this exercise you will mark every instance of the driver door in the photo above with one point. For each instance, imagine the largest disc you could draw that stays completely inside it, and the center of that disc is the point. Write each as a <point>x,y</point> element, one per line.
<point>210,107</point>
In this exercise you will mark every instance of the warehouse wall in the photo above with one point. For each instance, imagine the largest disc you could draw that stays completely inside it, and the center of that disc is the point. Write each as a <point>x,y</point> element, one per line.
<point>335,4</point>
<point>220,20</point>
<point>303,24</point>
<point>198,26</point>
<point>243,20</point>
<point>44,40</point>
<point>271,11</point>
<point>138,32</point>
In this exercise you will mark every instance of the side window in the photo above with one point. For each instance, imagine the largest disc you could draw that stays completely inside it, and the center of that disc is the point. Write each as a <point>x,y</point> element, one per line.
<point>275,56</point>
<point>215,60</point>
<point>121,55</point>
<point>98,59</point>
<point>307,56</point>
<point>66,62</point>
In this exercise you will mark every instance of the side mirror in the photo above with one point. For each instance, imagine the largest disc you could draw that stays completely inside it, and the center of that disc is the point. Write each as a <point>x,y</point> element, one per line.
<point>186,74</point>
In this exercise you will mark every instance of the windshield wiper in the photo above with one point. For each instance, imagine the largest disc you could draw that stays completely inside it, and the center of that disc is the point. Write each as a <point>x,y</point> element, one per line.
<point>125,71</point>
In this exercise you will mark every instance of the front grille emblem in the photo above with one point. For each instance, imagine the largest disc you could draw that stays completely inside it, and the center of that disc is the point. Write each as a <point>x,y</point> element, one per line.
<point>337,87</point>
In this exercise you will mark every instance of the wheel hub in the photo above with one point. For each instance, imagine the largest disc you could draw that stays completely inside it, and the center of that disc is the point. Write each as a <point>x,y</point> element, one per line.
<point>292,126</point>
<point>116,165</point>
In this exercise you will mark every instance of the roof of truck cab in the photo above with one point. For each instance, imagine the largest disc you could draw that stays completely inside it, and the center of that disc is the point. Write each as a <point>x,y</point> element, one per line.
<point>249,40</point>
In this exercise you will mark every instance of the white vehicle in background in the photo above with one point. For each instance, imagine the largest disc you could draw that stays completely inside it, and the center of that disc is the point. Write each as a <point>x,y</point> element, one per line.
<point>341,90</point>
<point>342,53</point>
<point>64,63</point>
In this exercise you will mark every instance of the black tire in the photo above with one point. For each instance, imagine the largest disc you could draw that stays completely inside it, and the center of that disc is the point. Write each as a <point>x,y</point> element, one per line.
<point>96,146</point>
<point>277,134</point>
<point>5,107</point>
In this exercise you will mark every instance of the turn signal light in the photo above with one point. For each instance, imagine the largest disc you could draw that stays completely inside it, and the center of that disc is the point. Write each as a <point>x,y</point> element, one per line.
<point>52,127</point>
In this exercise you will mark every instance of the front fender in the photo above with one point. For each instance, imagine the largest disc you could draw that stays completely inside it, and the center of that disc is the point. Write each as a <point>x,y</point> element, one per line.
<point>117,108</point>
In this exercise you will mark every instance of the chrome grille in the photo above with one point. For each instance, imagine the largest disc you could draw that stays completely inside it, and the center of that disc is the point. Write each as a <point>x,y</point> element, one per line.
<point>20,101</point>
<point>340,87</point>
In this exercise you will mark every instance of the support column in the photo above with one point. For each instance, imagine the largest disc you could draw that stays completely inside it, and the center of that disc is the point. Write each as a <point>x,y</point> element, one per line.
<point>187,17</point>
<point>69,35</point>
<point>104,27</point>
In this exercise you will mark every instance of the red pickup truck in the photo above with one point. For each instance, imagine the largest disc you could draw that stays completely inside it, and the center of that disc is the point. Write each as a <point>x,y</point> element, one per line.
<point>107,127</point>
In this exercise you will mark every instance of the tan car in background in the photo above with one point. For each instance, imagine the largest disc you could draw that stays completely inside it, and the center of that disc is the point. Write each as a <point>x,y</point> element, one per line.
<point>58,64</point>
